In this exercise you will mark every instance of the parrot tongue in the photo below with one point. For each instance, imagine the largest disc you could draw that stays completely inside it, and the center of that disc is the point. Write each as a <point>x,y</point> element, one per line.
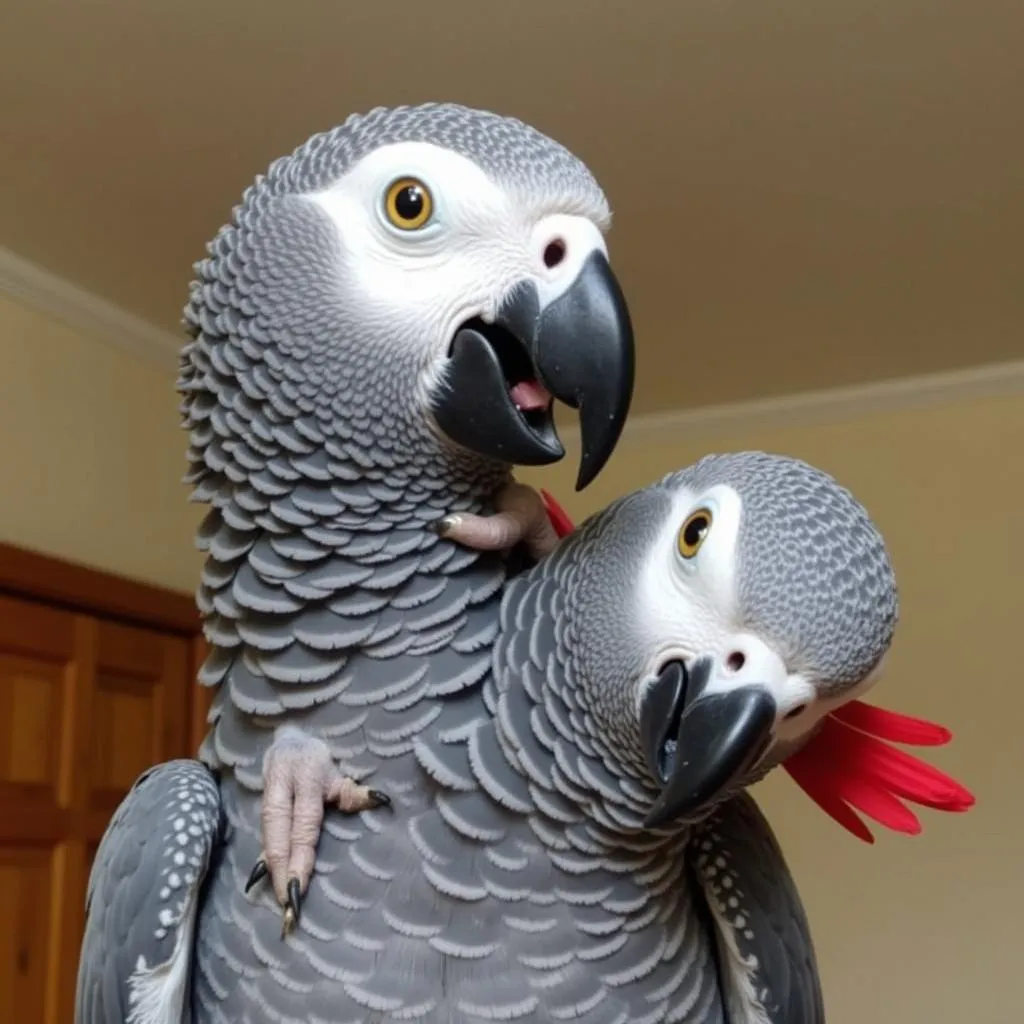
<point>530,395</point>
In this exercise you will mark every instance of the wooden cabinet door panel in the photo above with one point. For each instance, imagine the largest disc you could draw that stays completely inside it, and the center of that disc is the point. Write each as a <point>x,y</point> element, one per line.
<point>40,660</point>
<point>26,904</point>
<point>37,652</point>
<point>31,706</point>
<point>139,708</point>
<point>85,706</point>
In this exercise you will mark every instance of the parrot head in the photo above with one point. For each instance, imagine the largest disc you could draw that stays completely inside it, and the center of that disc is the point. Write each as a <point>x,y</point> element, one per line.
<point>423,276</point>
<point>751,595</point>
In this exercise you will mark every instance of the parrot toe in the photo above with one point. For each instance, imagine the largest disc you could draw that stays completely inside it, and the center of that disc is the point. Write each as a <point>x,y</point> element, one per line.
<point>520,517</point>
<point>299,779</point>
<point>350,798</point>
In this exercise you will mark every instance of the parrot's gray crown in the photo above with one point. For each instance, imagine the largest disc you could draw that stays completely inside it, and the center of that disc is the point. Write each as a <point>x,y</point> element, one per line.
<point>411,288</point>
<point>714,618</point>
<point>514,154</point>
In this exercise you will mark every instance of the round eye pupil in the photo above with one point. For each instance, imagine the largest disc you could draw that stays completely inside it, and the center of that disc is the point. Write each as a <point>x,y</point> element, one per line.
<point>409,202</point>
<point>695,530</point>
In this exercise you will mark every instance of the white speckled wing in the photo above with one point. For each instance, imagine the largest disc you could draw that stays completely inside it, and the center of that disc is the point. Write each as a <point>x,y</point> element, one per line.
<point>142,900</point>
<point>766,955</point>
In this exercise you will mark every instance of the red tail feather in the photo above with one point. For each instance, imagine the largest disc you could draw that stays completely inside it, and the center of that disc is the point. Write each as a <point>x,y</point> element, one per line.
<point>847,765</point>
<point>861,770</point>
<point>888,725</point>
<point>820,787</point>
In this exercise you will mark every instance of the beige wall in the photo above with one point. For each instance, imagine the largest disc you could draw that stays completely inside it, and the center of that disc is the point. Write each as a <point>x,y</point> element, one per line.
<point>910,931</point>
<point>91,454</point>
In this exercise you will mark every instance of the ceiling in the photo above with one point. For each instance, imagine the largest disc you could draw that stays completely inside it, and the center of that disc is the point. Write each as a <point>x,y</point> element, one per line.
<point>806,194</point>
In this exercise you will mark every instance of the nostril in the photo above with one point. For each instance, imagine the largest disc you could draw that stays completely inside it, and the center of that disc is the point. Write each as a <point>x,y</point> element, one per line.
<point>793,712</point>
<point>554,253</point>
<point>736,661</point>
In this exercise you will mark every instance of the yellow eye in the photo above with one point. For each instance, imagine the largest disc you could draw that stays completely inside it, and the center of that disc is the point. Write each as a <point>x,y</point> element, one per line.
<point>693,532</point>
<point>408,204</point>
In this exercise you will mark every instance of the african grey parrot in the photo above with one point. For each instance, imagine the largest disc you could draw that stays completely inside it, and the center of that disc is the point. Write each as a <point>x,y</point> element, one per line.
<point>377,337</point>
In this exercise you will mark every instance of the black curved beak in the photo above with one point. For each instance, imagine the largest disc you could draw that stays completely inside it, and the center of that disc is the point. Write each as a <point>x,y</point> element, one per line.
<point>698,743</point>
<point>579,349</point>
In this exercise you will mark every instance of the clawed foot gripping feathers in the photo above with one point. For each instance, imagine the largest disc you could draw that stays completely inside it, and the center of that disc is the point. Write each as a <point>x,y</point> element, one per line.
<point>299,777</point>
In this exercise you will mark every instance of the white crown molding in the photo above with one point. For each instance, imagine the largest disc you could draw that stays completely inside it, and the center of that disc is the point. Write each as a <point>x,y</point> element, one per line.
<point>85,311</point>
<point>828,405</point>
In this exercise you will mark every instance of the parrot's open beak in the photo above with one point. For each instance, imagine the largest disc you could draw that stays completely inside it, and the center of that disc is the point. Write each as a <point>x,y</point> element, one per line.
<point>502,376</point>
<point>698,742</point>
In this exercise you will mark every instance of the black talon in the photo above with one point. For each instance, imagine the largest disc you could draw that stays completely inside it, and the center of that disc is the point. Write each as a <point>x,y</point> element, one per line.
<point>294,899</point>
<point>258,872</point>
<point>379,799</point>
<point>441,526</point>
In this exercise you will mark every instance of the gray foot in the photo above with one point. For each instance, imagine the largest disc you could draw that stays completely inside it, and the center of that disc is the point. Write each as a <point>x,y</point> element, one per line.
<point>299,778</point>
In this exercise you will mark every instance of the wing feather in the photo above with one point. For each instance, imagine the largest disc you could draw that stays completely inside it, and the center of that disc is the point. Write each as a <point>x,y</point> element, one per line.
<point>143,898</point>
<point>766,956</point>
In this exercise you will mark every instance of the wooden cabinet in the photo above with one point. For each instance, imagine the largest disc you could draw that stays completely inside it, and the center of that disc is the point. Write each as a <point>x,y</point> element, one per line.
<point>96,684</point>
